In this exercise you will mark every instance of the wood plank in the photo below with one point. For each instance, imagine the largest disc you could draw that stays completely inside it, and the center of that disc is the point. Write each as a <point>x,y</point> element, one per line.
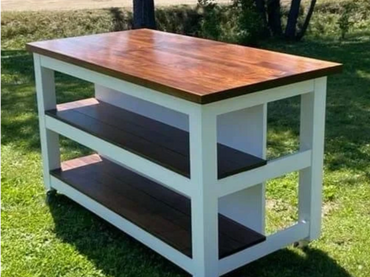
<point>199,70</point>
<point>173,199</point>
<point>156,209</point>
<point>156,141</point>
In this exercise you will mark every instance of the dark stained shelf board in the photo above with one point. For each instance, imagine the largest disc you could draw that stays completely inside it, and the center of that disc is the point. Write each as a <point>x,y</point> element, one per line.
<point>153,140</point>
<point>158,210</point>
<point>199,70</point>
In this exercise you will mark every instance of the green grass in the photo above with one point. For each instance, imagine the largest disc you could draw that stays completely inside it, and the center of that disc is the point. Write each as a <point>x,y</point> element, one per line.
<point>63,239</point>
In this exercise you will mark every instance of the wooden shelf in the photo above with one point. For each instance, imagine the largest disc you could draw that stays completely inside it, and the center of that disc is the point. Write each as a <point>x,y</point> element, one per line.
<point>153,140</point>
<point>158,210</point>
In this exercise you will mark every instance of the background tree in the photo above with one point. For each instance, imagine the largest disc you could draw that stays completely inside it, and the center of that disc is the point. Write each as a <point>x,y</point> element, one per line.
<point>144,15</point>
<point>291,26</point>
<point>303,30</point>
<point>270,12</point>
<point>274,17</point>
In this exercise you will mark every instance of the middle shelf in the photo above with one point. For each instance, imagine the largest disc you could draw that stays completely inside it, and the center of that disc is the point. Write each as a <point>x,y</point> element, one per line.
<point>151,139</point>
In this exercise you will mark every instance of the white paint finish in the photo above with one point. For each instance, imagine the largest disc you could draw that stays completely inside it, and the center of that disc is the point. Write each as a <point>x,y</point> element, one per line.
<point>241,195</point>
<point>142,107</point>
<point>272,244</point>
<point>245,130</point>
<point>261,97</point>
<point>151,170</point>
<point>129,228</point>
<point>140,92</point>
<point>312,137</point>
<point>246,207</point>
<point>204,201</point>
<point>273,169</point>
<point>46,99</point>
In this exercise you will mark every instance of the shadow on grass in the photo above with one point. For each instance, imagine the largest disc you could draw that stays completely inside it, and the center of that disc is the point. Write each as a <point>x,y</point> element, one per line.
<point>19,123</point>
<point>102,243</point>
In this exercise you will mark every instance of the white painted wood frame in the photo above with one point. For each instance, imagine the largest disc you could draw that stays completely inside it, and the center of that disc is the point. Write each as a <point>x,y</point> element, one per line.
<point>312,134</point>
<point>272,243</point>
<point>203,188</point>
<point>204,201</point>
<point>46,100</point>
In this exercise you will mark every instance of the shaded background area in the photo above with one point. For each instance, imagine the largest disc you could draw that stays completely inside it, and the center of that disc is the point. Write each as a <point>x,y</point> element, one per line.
<point>36,5</point>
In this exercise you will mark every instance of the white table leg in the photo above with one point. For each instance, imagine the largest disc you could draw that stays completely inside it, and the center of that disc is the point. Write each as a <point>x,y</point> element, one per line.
<point>312,137</point>
<point>204,206</point>
<point>46,99</point>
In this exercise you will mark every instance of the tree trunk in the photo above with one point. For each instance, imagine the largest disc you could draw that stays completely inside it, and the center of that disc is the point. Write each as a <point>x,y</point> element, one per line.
<point>292,19</point>
<point>260,4</point>
<point>144,14</point>
<point>274,17</point>
<point>307,20</point>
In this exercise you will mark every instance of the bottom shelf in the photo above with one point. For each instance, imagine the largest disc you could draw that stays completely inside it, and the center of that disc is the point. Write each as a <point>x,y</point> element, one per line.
<point>154,208</point>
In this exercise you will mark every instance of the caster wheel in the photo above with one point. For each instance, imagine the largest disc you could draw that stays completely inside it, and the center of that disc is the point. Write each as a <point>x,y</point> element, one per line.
<point>50,195</point>
<point>302,244</point>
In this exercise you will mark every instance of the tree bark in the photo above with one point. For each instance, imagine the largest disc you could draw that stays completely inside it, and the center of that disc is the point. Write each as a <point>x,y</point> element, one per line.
<point>144,16</point>
<point>274,17</point>
<point>291,26</point>
<point>307,20</point>
<point>260,4</point>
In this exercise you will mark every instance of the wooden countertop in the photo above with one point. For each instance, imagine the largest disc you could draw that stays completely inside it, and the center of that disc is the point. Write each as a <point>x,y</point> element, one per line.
<point>199,70</point>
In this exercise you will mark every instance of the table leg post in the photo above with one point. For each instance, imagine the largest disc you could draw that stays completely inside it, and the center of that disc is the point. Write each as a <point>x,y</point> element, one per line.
<point>312,137</point>
<point>204,201</point>
<point>46,99</point>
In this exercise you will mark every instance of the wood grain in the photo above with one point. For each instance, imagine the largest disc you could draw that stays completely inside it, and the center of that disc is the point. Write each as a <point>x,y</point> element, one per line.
<point>153,140</point>
<point>156,209</point>
<point>198,70</point>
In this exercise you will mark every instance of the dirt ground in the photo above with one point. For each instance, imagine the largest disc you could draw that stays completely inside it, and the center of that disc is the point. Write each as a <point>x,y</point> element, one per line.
<point>36,5</point>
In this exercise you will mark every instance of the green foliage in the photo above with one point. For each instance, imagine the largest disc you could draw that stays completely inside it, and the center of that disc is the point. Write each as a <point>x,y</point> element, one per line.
<point>250,24</point>
<point>17,28</point>
<point>241,23</point>
<point>337,19</point>
<point>179,19</point>
<point>352,12</point>
<point>344,20</point>
<point>212,19</point>
<point>238,23</point>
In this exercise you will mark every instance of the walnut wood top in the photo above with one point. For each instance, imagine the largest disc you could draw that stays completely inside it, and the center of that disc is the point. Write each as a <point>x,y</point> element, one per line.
<point>198,70</point>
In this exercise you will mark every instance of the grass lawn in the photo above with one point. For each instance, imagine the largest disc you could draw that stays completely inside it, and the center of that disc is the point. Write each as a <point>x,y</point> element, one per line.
<point>63,239</point>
